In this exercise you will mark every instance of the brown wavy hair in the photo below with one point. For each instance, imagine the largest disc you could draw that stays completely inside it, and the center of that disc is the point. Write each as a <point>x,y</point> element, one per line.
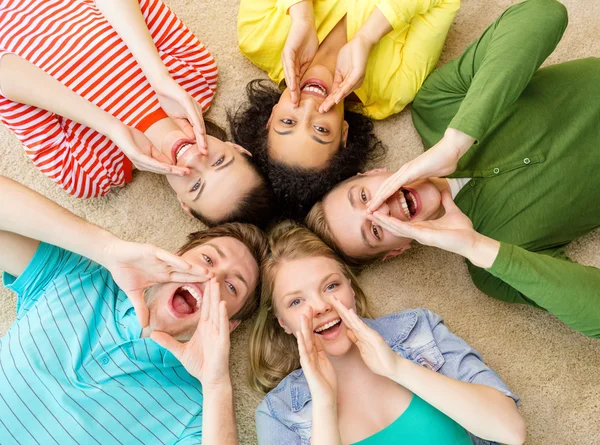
<point>273,353</point>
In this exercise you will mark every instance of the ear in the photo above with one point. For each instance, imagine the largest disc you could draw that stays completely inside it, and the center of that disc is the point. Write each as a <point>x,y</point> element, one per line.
<point>283,325</point>
<point>239,148</point>
<point>396,252</point>
<point>233,324</point>
<point>374,171</point>
<point>345,127</point>
<point>185,207</point>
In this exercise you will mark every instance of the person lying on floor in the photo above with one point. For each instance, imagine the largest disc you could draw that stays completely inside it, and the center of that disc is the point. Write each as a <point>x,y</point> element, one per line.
<point>81,363</point>
<point>512,147</point>
<point>402,378</point>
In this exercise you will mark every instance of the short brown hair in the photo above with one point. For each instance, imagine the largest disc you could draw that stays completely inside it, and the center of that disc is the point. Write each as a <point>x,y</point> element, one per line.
<point>316,221</point>
<point>256,242</point>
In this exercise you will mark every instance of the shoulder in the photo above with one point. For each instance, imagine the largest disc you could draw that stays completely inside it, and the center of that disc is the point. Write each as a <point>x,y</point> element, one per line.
<point>288,396</point>
<point>408,327</point>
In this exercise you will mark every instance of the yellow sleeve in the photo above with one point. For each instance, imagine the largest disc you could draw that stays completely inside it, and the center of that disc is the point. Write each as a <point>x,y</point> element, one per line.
<point>401,12</point>
<point>285,5</point>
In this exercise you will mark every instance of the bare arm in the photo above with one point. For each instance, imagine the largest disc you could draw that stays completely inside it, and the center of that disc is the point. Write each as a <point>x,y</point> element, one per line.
<point>218,417</point>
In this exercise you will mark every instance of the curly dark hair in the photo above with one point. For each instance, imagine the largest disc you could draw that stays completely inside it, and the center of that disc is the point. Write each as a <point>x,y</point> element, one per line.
<point>256,207</point>
<point>296,189</point>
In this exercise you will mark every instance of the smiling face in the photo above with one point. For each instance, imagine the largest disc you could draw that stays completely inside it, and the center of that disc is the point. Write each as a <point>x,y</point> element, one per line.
<point>175,307</point>
<point>303,137</point>
<point>345,209</point>
<point>307,285</point>
<point>216,182</point>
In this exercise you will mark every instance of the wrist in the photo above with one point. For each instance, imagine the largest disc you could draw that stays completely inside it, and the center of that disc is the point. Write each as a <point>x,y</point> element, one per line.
<point>399,371</point>
<point>104,247</point>
<point>483,251</point>
<point>460,141</point>
<point>217,386</point>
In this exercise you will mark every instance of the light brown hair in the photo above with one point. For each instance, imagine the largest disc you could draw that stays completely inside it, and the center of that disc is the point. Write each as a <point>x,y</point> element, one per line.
<point>273,353</point>
<point>252,237</point>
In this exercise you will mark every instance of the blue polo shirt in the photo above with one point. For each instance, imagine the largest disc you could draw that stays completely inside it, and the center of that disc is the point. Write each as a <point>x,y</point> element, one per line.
<point>74,370</point>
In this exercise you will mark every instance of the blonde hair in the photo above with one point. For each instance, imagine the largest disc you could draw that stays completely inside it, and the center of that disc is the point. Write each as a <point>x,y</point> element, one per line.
<point>274,353</point>
<point>316,221</point>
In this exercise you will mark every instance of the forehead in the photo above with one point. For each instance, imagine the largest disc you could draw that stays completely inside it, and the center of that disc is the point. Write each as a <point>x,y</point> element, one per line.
<point>233,253</point>
<point>303,273</point>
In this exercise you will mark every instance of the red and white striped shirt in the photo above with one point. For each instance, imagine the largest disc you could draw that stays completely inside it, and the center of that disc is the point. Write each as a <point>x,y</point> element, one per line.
<point>73,42</point>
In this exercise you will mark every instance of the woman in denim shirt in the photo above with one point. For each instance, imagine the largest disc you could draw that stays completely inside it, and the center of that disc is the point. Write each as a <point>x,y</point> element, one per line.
<point>401,378</point>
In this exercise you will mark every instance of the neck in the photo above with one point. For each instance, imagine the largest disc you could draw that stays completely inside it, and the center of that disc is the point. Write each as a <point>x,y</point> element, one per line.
<point>331,46</point>
<point>146,332</point>
<point>349,363</point>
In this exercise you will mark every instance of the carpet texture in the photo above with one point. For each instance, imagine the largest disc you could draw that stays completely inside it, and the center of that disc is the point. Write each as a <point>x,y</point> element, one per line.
<point>553,369</point>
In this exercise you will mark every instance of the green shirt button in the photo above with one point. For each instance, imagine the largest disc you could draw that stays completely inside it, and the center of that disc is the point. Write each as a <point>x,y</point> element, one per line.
<point>526,161</point>
<point>496,170</point>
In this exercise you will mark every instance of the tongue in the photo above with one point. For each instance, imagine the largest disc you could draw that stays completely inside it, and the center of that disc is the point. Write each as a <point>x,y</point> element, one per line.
<point>181,305</point>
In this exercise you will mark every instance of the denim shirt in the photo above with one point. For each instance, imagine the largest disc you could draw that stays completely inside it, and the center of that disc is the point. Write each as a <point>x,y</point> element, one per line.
<point>284,416</point>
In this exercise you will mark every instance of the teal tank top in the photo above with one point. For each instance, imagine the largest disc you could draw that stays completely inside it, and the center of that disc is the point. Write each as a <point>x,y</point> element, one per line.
<point>420,424</point>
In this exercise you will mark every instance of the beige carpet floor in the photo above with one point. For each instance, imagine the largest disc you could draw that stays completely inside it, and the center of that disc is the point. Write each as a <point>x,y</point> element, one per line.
<point>554,370</point>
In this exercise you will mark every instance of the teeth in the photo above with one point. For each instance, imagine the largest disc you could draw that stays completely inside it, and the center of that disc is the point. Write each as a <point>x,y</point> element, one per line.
<point>404,204</point>
<point>328,325</point>
<point>181,151</point>
<point>194,292</point>
<point>413,199</point>
<point>315,89</point>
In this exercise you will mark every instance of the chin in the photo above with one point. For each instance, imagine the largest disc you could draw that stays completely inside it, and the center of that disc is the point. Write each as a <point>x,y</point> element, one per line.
<point>338,348</point>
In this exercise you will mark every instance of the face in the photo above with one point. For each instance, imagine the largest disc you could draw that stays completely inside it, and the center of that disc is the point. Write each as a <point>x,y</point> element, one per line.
<point>345,210</point>
<point>217,182</point>
<point>175,307</point>
<point>306,287</point>
<point>303,137</point>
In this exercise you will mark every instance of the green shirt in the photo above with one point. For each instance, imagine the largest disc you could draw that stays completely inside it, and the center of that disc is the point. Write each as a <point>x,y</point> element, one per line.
<point>420,424</point>
<point>536,160</point>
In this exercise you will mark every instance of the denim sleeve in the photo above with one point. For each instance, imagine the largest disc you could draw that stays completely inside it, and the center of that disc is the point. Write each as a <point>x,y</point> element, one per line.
<point>271,431</point>
<point>461,361</point>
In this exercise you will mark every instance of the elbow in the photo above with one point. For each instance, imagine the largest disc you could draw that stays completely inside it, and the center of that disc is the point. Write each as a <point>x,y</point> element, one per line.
<point>516,432</point>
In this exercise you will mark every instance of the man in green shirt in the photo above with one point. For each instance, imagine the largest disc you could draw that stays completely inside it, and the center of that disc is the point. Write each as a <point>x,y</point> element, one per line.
<point>516,149</point>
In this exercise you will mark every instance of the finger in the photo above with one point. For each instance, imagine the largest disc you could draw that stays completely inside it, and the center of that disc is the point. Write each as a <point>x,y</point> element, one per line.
<point>319,346</point>
<point>179,277</point>
<point>396,227</point>
<point>223,320</point>
<point>215,298</point>
<point>169,343</point>
<point>352,336</point>
<point>306,334</point>
<point>205,308</point>
<point>175,261</point>
<point>342,312</point>
<point>448,202</point>
<point>186,127</point>
<point>387,189</point>
<point>301,347</point>
<point>140,307</point>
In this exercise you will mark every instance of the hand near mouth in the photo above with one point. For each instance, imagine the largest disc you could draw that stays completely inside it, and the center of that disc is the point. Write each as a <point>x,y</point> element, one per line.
<point>375,352</point>
<point>317,368</point>
<point>135,267</point>
<point>206,354</point>
<point>452,232</point>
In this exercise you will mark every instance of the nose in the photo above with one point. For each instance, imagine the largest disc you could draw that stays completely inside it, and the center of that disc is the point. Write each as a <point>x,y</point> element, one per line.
<point>384,208</point>
<point>196,161</point>
<point>320,306</point>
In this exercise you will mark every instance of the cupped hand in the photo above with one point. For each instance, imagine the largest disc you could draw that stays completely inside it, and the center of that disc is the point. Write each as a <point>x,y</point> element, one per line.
<point>206,354</point>
<point>298,53</point>
<point>142,153</point>
<point>179,104</point>
<point>440,160</point>
<point>375,352</point>
<point>317,368</point>
<point>135,267</point>
<point>349,71</point>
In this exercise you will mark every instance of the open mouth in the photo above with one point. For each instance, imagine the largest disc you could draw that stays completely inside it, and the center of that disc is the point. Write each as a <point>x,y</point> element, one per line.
<point>186,300</point>
<point>409,200</point>
<point>329,330</point>
<point>314,87</point>
<point>180,148</point>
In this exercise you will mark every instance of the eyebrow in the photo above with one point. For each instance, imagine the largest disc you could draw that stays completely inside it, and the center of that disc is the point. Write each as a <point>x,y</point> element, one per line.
<point>350,197</point>
<point>222,255</point>
<point>320,141</point>
<point>220,167</point>
<point>363,234</point>
<point>300,291</point>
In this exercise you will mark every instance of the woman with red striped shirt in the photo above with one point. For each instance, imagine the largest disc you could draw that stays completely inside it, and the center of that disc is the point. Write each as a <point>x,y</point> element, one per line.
<point>94,89</point>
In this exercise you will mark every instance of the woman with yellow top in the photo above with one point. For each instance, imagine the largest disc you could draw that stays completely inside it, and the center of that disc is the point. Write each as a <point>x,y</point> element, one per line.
<point>343,62</point>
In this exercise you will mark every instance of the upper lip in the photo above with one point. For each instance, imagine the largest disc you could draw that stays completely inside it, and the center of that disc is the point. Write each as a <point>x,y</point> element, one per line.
<point>325,322</point>
<point>176,147</point>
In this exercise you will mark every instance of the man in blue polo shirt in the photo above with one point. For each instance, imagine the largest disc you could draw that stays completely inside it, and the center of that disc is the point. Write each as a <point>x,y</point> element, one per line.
<point>77,367</point>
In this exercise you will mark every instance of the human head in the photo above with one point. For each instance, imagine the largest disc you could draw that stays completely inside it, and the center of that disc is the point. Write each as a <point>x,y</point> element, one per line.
<point>297,256</point>
<point>341,217</point>
<point>298,185</point>
<point>223,186</point>
<point>233,252</point>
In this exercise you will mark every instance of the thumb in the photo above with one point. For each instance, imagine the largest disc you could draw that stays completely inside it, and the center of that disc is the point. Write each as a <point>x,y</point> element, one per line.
<point>169,343</point>
<point>139,305</point>
<point>448,202</point>
<point>352,336</point>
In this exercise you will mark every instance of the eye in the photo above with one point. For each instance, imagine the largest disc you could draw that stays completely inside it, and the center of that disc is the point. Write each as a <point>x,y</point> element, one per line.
<point>231,288</point>
<point>376,232</point>
<point>331,286</point>
<point>196,186</point>
<point>295,302</point>
<point>219,162</point>
<point>207,260</point>
<point>321,129</point>
<point>363,196</point>
<point>287,121</point>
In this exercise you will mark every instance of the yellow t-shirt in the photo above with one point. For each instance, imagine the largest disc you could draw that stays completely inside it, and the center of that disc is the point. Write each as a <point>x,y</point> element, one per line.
<point>398,65</point>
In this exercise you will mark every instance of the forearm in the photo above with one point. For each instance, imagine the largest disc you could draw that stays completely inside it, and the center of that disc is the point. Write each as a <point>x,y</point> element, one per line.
<point>218,417</point>
<point>17,76</point>
<point>374,28</point>
<point>27,213</point>
<point>481,410</point>
<point>126,18</point>
<point>325,428</point>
